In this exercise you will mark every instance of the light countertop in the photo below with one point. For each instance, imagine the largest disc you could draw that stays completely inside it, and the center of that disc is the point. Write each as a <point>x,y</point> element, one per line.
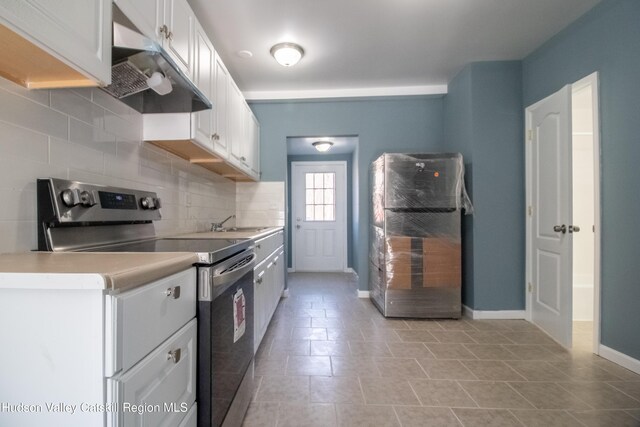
<point>86,270</point>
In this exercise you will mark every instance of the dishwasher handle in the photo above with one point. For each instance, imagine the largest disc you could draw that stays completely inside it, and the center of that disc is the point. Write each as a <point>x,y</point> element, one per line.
<point>233,269</point>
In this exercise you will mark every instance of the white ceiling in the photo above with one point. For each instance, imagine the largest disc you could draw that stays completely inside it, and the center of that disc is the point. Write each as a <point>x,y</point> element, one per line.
<point>381,44</point>
<point>300,146</point>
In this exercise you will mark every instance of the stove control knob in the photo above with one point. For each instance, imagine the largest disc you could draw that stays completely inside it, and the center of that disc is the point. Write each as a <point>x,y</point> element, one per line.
<point>86,199</point>
<point>70,197</point>
<point>147,203</point>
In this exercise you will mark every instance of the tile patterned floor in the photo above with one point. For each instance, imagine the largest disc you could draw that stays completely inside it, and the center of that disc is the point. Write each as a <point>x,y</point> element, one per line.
<point>330,359</point>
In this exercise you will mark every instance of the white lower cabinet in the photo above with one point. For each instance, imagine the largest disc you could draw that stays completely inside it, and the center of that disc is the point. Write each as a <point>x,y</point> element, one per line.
<point>191,420</point>
<point>160,389</point>
<point>268,284</point>
<point>83,357</point>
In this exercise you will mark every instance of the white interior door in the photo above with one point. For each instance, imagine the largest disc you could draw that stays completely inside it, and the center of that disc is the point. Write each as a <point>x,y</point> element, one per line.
<point>550,198</point>
<point>319,216</point>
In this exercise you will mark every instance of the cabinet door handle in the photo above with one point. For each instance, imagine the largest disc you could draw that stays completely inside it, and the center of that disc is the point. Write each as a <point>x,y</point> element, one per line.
<point>164,30</point>
<point>259,280</point>
<point>243,158</point>
<point>174,355</point>
<point>173,292</point>
<point>170,36</point>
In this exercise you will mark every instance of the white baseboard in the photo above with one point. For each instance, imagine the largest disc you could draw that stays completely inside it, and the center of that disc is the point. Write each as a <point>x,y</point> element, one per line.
<point>291,270</point>
<point>496,314</point>
<point>620,358</point>
<point>349,270</point>
<point>363,294</point>
<point>285,293</point>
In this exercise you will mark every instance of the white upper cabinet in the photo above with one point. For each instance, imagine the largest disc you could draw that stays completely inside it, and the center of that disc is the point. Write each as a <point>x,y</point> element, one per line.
<point>255,142</point>
<point>63,43</point>
<point>169,22</point>
<point>147,15</point>
<point>244,134</point>
<point>221,107</point>
<point>204,78</point>
<point>210,75</point>
<point>179,19</point>
<point>236,123</point>
<point>224,139</point>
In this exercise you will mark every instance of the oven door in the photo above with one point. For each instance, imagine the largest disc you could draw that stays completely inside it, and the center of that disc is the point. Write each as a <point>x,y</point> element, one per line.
<point>225,340</point>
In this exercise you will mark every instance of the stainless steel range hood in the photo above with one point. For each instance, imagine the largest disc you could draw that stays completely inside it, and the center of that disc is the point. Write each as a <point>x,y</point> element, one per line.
<point>135,59</point>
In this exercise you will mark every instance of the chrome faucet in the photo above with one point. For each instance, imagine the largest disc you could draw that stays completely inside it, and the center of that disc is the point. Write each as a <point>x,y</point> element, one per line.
<point>217,226</point>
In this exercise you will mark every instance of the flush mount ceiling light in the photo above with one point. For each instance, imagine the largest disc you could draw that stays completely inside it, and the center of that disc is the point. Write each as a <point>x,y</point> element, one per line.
<point>287,54</point>
<point>322,146</point>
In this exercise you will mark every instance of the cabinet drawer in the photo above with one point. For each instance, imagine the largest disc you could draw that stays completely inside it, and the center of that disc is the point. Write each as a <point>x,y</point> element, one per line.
<point>161,386</point>
<point>140,319</point>
<point>191,419</point>
<point>266,245</point>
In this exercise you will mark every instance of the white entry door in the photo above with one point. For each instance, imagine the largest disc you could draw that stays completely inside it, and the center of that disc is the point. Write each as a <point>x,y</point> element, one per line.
<point>319,216</point>
<point>550,201</point>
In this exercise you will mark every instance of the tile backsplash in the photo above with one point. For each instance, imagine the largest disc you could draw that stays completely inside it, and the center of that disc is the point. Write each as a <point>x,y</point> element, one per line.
<point>86,135</point>
<point>260,204</point>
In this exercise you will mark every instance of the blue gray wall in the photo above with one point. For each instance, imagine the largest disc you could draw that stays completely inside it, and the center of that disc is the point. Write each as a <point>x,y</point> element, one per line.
<point>607,40</point>
<point>387,124</point>
<point>484,121</point>
<point>458,135</point>
<point>350,191</point>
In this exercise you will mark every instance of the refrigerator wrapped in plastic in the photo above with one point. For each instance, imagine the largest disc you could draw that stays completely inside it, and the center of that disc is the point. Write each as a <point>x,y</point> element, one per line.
<point>415,254</point>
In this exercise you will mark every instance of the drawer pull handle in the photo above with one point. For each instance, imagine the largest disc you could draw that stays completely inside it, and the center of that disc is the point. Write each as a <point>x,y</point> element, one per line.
<point>259,280</point>
<point>173,292</point>
<point>258,246</point>
<point>174,355</point>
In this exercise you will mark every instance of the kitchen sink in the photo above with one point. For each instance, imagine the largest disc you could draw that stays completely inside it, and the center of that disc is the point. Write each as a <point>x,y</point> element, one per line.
<point>242,229</point>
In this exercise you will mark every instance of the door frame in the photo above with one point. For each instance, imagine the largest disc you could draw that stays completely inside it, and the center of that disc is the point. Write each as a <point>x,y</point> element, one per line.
<point>344,241</point>
<point>593,81</point>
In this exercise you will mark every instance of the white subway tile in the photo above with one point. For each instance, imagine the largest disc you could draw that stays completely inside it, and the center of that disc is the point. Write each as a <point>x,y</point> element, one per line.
<point>119,168</point>
<point>78,107</point>
<point>91,136</point>
<point>108,102</point>
<point>70,155</point>
<point>21,208</point>
<point>127,150</point>
<point>21,174</point>
<point>122,128</point>
<point>23,143</point>
<point>31,115</point>
<point>18,236</point>
<point>41,96</point>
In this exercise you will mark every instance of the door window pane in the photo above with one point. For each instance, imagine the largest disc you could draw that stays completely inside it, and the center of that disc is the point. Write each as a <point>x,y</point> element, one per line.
<point>328,180</point>
<point>320,196</point>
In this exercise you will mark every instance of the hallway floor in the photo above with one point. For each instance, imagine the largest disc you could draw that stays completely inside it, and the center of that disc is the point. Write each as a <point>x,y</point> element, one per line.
<point>329,358</point>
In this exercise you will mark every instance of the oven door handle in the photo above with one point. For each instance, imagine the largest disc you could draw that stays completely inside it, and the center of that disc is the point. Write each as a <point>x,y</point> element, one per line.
<point>227,273</point>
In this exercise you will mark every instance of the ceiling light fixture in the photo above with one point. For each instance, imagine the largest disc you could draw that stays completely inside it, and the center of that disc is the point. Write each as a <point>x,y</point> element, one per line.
<point>287,54</point>
<point>322,146</point>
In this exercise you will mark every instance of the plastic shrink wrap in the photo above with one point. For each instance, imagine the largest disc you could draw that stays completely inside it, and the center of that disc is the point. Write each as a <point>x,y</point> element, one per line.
<point>415,254</point>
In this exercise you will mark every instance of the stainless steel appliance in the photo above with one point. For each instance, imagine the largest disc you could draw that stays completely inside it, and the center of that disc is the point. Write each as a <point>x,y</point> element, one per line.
<point>74,216</point>
<point>140,65</point>
<point>415,253</point>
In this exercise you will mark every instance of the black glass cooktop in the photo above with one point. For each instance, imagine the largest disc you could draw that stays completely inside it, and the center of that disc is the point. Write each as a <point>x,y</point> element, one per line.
<point>214,250</point>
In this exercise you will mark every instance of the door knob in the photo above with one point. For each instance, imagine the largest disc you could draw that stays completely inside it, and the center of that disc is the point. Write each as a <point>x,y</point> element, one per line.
<point>560,228</point>
<point>574,229</point>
